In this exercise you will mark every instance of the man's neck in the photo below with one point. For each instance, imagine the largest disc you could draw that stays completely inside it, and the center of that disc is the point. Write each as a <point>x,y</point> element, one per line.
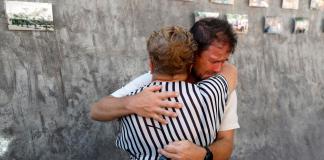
<point>192,78</point>
<point>169,78</point>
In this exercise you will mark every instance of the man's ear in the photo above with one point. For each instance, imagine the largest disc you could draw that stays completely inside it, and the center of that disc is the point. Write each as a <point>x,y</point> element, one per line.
<point>190,67</point>
<point>151,65</point>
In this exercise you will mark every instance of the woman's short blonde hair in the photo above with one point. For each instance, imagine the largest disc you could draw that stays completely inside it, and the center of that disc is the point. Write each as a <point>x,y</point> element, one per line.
<point>171,50</point>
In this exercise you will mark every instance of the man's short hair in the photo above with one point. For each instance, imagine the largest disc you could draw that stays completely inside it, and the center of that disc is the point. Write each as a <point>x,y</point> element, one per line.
<point>171,50</point>
<point>209,30</point>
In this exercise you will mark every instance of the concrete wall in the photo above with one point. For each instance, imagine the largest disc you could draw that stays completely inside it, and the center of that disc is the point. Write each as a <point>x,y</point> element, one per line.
<point>49,79</point>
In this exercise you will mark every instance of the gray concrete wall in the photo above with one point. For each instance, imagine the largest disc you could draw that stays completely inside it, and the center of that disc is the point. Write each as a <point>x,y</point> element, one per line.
<point>49,79</point>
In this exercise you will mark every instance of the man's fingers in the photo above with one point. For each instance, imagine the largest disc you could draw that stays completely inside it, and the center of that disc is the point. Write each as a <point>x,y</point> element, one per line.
<point>159,118</point>
<point>168,154</point>
<point>165,112</point>
<point>153,88</point>
<point>170,148</point>
<point>168,94</point>
<point>169,104</point>
<point>175,143</point>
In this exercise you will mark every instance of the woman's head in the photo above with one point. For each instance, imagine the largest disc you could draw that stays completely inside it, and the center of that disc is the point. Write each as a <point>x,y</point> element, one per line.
<point>171,50</point>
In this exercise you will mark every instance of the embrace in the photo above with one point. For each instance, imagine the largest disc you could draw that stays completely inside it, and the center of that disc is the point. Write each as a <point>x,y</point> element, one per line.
<point>185,108</point>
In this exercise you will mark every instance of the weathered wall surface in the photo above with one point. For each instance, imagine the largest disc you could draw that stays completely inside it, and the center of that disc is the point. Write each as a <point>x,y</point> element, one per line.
<point>49,79</point>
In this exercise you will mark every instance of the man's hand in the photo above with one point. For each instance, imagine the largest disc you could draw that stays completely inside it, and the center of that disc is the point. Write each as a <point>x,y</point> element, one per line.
<point>186,150</point>
<point>147,103</point>
<point>152,104</point>
<point>183,150</point>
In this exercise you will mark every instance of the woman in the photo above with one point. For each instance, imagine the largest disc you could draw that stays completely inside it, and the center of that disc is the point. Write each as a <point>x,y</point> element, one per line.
<point>171,53</point>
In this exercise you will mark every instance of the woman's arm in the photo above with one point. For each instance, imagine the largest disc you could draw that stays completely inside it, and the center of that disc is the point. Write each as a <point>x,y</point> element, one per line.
<point>229,71</point>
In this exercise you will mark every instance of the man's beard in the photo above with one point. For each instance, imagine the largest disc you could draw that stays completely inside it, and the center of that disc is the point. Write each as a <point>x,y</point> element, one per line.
<point>195,76</point>
<point>199,77</point>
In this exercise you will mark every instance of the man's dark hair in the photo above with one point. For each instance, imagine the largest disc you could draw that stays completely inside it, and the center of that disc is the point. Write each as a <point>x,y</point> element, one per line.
<point>210,30</point>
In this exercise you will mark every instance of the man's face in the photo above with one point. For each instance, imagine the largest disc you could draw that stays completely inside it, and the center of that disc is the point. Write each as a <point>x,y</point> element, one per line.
<point>210,61</point>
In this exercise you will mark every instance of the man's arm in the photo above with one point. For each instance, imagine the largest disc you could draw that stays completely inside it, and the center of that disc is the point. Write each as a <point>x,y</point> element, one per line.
<point>222,148</point>
<point>109,108</point>
<point>148,103</point>
<point>225,137</point>
<point>186,150</point>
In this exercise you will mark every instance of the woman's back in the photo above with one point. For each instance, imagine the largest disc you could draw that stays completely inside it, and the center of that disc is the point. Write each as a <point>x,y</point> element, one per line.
<point>198,120</point>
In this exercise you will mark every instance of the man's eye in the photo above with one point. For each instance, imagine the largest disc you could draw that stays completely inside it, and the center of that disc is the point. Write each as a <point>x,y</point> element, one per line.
<point>214,62</point>
<point>222,61</point>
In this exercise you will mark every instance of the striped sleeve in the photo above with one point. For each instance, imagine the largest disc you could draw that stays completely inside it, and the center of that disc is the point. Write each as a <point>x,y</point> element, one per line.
<point>214,91</point>
<point>216,86</point>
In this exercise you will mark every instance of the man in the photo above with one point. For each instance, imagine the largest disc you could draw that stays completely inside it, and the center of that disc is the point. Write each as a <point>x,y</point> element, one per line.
<point>216,41</point>
<point>171,54</point>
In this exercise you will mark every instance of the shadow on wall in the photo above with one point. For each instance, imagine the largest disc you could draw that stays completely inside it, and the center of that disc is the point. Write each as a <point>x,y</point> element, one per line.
<point>322,25</point>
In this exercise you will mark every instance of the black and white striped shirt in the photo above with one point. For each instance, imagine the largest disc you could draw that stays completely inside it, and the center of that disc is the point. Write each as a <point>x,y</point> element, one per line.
<point>198,120</point>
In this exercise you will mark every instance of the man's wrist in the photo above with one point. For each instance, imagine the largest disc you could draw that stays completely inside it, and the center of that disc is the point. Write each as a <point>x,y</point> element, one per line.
<point>127,101</point>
